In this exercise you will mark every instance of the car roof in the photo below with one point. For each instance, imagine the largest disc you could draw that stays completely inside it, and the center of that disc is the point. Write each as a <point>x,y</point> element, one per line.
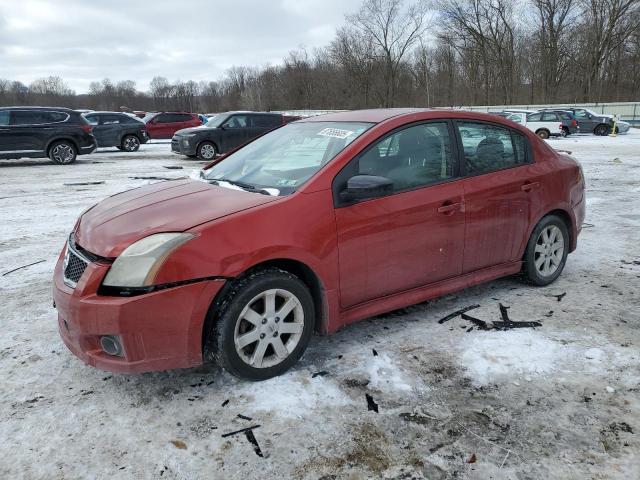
<point>249,111</point>
<point>108,111</point>
<point>48,109</point>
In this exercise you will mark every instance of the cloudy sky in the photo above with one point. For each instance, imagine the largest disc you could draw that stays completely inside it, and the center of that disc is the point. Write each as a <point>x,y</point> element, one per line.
<point>86,40</point>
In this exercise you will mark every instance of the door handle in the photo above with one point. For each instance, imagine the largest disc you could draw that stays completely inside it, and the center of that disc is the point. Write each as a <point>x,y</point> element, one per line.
<point>527,187</point>
<point>448,207</point>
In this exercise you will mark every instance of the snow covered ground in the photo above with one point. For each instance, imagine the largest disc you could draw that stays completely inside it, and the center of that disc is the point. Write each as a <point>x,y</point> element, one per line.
<point>560,401</point>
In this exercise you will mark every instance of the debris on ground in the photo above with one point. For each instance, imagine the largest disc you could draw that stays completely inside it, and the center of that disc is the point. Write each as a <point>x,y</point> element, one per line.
<point>179,444</point>
<point>242,430</point>
<point>152,178</point>
<point>472,459</point>
<point>371,404</point>
<point>252,440</point>
<point>375,352</point>
<point>23,266</point>
<point>558,297</point>
<point>80,184</point>
<point>173,167</point>
<point>244,417</point>
<point>321,373</point>
<point>457,313</point>
<point>225,403</point>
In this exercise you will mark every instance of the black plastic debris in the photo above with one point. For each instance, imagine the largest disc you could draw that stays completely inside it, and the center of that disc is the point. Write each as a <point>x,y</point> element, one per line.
<point>243,417</point>
<point>457,313</point>
<point>375,353</point>
<point>504,312</point>
<point>481,324</point>
<point>252,440</point>
<point>23,266</point>
<point>79,184</point>
<point>319,374</point>
<point>242,430</point>
<point>371,405</point>
<point>172,167</point>
<point>558,297</point>
<point>152,178</point>
<point>549,313</point>
<point>225,403</point>
<point>508,325</point>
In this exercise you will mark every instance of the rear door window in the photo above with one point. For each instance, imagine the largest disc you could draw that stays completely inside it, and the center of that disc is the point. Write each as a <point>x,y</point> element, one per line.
<point>110,119</point>
<point>237,121</point>
<point>549,117</point>
<point>491,148</point>
<point>26,117</point>
<point>4,117</point>
<point>534,117</point>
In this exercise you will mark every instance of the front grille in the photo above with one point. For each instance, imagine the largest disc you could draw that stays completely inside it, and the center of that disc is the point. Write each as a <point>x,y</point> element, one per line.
<point>175,145</point>
<point>74,267</point>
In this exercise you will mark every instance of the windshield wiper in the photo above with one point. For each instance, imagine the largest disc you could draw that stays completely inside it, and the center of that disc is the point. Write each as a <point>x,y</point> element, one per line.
<point>246,186</point>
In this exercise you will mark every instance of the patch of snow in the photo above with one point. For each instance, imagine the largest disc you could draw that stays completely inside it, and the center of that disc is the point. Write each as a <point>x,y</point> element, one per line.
<point>292,395</point>
<point>385,374</point>
<point>502,354</point>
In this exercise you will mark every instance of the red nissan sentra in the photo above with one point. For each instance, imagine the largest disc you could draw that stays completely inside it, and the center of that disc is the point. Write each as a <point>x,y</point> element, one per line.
<point>320,223</point>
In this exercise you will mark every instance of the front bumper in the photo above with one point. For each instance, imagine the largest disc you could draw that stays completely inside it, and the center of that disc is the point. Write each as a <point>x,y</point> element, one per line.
<point>161,330</point>
<point>183,146</point>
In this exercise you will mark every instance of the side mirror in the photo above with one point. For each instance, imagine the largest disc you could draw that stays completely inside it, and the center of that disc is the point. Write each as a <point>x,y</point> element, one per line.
<point>362,187</point>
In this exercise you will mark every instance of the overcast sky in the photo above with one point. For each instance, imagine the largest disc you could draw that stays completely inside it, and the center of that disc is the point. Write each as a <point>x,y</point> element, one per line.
<point>86,40</point>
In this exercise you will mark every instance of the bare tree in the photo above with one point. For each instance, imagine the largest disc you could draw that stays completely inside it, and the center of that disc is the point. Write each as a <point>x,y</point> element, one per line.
<point>394,30</point>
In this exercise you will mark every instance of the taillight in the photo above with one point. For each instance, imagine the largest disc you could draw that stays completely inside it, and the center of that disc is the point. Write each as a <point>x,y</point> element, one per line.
<point>574,123</point>
<point>87,128</point>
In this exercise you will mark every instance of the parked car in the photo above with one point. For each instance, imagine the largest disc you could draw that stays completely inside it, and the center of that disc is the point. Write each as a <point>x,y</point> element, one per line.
<point>223,133</point>
<point>568,120</point>
<point>162,125</point>
<point>310,227</point>
<point>544,124</point>
<point>40,132</point>
<point>116,129</point>
<point>590,121</point>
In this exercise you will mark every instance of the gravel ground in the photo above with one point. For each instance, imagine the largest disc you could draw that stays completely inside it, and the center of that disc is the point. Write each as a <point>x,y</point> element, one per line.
<point>398,396</point>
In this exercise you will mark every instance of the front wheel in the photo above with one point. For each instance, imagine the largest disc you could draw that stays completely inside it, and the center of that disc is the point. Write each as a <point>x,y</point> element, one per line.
<point>264,325</point>
<point>206,151</point>
<point>130,143</point>
<point>547,251</point>
<point>63,152</point>
<point>602,130</point>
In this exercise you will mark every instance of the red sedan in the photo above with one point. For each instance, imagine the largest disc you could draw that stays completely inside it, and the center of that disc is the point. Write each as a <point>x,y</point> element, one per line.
<point>320,223</point>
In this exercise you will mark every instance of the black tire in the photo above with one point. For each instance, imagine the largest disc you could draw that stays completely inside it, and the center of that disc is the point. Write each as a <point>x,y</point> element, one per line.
<point>543,133</point>
<point>602,130</point>
<point>206,151</point>
<point>63,152</point>
<point>531,272</point>
<point>130,143</point>
<point>565,132</point>
<point>239,296</point>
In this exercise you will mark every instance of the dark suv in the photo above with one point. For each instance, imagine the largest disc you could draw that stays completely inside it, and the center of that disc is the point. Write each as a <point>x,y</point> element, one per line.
<point>590,121</point>
<point>39,132</point>
<point>224,132</point>
<point>117,129</point>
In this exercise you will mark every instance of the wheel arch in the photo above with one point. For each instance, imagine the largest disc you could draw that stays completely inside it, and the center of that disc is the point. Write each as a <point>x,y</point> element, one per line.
<point>566,216</point>
<point>60,139</point>
<point>295,267</point>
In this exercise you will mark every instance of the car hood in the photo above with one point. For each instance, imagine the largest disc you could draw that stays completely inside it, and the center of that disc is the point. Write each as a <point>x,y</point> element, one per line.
<point>172,206</point>
<point>198,129</point>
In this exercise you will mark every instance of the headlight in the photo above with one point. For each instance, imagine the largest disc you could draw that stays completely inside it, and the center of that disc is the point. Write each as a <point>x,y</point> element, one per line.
<point>138,264</point>
<point>189,135</point>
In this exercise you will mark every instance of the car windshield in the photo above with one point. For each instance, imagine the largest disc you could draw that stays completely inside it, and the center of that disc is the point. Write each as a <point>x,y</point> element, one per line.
<point>282,160</point>
<point>216,121</point>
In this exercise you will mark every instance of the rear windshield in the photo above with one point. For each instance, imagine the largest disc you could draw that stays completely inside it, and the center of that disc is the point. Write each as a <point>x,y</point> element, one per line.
<point>284,159</point>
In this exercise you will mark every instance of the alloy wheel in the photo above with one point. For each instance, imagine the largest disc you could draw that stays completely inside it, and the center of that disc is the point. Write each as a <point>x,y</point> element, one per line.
<point>207,151</point>
<point>131,144</point>
<point>549,250</point>
<point>269,328</point>
<point>62,153</point>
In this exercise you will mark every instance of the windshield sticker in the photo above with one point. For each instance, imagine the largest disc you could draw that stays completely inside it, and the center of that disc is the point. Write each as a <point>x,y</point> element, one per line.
<point>335,133</point>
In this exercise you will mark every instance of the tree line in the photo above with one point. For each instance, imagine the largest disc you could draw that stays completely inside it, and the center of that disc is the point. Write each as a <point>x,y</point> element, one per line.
<point>419,53</point>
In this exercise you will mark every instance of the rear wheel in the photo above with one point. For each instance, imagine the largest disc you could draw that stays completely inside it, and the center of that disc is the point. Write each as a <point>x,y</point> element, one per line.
<point>264,325</point>
<point>543,133</point>
<point>565,132</point>
<point>547,251</point>
<point>130,143</point>
<point>602,130</point>
<point>63,152</point>
<point>206,151</point>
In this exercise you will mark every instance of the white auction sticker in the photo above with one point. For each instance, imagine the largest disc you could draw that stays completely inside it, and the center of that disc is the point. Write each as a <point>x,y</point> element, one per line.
<point>334,132</point>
